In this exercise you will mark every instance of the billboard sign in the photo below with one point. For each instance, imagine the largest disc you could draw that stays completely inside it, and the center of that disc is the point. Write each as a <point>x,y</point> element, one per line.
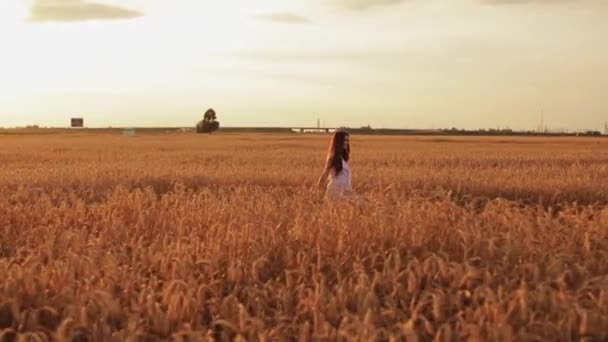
<point>77,123</point>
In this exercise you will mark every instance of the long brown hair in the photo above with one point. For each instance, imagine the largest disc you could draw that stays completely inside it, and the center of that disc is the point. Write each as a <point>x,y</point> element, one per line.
<point>337,152</point>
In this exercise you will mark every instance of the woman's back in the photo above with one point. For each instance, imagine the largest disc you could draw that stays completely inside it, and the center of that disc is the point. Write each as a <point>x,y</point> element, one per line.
<point>340,182</point>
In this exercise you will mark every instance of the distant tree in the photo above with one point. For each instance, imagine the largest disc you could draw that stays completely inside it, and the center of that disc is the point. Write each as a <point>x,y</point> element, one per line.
<point>209,123</point>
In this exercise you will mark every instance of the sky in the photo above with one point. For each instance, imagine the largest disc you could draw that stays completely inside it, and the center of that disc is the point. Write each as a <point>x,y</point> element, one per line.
<point>387,63</point>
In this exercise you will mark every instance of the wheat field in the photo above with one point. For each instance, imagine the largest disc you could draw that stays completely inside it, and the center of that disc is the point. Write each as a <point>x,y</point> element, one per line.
<point>224,237</point>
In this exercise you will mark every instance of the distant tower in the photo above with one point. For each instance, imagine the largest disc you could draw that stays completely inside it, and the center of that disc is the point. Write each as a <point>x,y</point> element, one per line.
<point>318,123</point>
<point>542,122</point>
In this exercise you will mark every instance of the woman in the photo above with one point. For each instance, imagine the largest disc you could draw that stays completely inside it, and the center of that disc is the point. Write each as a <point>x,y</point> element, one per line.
<point>337,168</point>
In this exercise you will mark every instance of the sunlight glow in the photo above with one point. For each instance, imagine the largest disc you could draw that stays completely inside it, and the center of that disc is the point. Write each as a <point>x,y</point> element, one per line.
<point>12,12</point>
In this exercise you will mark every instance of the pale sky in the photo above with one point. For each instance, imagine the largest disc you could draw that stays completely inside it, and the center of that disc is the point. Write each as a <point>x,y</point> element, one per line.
<point>388,63</point>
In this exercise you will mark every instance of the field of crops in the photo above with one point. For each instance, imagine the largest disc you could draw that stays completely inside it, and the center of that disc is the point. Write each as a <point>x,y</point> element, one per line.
<point>224,237</point>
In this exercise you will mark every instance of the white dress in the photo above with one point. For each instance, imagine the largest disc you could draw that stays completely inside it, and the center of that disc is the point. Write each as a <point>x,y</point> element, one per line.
<point>339,184</point>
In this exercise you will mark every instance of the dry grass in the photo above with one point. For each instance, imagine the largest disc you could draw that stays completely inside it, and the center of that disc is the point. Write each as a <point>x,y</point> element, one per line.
<point>220,237</point>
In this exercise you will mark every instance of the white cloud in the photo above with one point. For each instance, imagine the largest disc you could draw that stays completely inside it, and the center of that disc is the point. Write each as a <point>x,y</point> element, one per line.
<point>78,10</point>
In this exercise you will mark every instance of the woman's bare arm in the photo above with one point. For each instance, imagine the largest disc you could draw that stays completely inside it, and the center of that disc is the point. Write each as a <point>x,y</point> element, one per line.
<point>324,175</point>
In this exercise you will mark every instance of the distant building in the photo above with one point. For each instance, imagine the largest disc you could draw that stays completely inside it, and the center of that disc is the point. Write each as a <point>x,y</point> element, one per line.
<point>313,130</point>
<point>128,132</point>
